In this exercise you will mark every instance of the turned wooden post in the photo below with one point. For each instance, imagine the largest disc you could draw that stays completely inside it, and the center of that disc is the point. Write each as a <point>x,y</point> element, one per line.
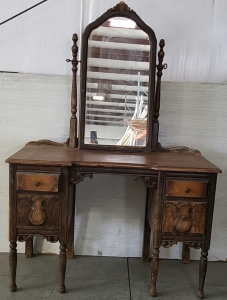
<point>62,265</point>
<point>185,253</point>
<point>207,236</point>
<point>146,232</point>
<point>29,247</point>
<point>160,67</point>
<point>73,119</point>
<point>157,231</point>
<point>202,273</point>
<point>13,265</point>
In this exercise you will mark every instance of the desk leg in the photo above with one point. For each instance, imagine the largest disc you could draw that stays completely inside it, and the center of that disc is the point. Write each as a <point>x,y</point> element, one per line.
<point>62,264</point>
<point>157,231</point>
<point>146,233</point>
<point>207,235</point>
<point>185,254</point>
<point>202,273</point>
<point>154,271</point>
<point>13,265</point>
<point>29,247</point>
<point>70,242</point>
<point>70,245</point>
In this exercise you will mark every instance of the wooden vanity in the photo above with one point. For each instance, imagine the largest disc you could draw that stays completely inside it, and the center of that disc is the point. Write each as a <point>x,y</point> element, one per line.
<point>180,182</point>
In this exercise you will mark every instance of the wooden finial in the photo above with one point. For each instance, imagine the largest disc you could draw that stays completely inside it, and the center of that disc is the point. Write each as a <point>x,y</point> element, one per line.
<point>73,119</point>
<point>74,52</point>
<point>160,67</point>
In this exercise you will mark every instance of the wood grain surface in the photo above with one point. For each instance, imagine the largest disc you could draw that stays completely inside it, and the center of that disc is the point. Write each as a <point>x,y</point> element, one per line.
<point>27,181</point>
<point>186,189</point>
<point>49,155</point>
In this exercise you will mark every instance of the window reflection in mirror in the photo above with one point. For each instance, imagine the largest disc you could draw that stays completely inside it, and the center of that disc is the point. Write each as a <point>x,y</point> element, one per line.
<point>117,84</point>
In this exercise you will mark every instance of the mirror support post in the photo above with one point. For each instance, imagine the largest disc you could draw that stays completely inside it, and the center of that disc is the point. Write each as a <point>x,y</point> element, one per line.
<point>73,119</point>
<point>160,67</point>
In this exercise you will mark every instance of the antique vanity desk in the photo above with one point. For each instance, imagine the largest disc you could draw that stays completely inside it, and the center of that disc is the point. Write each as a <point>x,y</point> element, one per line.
<point>118,134</point>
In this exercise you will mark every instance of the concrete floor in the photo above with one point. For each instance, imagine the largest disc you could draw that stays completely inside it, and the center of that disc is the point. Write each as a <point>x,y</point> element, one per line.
<point>99,278</point>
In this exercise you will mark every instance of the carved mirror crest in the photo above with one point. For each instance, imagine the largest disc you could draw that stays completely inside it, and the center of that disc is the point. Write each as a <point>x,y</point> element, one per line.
<point>117,82</point>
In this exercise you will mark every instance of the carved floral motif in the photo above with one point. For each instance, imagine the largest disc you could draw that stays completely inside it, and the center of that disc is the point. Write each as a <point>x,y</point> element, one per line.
<point>25,199</point>
<point>148,181</point>
<point>194,245</point>
<point>48,143</point>
<point>183,214</point>
<point>168,244</point>
<point>51,239</point>
<point>80,177</point>
<point>23,238</point>
<point>37,215</point>
<point>49,199</point>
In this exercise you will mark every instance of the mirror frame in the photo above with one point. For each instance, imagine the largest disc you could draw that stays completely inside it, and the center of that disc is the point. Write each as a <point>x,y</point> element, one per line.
<point>120,10</point>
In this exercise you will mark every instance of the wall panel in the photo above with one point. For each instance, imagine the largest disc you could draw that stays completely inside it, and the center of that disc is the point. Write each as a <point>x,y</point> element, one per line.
<point>40,40</point>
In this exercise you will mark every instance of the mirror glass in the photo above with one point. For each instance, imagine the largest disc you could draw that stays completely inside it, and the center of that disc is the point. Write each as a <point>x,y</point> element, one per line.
<point>117,84</point>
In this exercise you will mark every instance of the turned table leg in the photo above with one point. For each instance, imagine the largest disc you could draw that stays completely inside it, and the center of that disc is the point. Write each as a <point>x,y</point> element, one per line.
<point>29,247</point>
<point>62,264</point>
<point>146,233</point>
<point>13,265</point>
<point>146,241</point>
<point>154,271</point>
<point>202,273</point>
<point>157,231</point>
<point>70,244</point>
<point>185,254</point>
<point>70,239</point>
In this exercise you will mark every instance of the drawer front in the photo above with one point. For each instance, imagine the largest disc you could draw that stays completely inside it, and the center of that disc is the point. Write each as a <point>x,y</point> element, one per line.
<point>178,188</point>
<point>39,182</point>
<point>183,217</point>
<point>38,210</point>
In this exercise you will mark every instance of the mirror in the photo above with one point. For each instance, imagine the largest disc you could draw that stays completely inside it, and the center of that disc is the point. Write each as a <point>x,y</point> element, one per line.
<point>116,87</point>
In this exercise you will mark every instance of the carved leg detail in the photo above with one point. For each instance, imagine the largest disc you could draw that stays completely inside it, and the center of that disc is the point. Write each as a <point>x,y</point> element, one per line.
<point>62,262</point>
<point>13,265</point>
<point>202,273</point>
<point>146,240</point>
<point>29,247</point>
<point>154,271</point>
<point>70,244</point>
<point>185,254</point>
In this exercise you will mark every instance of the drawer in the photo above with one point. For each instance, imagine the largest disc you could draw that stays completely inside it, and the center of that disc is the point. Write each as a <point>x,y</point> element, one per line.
<point>183,217</point>
<point>40,182</point>
<point>178,188</point>
<point>38,210</point>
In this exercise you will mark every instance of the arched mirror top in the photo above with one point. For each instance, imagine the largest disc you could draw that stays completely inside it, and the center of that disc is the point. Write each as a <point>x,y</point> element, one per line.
<point>118,63</point>
<point>120,10</point>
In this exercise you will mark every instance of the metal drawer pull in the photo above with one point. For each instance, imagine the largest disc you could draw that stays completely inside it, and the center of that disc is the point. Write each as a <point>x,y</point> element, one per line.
<point>187,190</point>
<point>37,183</point>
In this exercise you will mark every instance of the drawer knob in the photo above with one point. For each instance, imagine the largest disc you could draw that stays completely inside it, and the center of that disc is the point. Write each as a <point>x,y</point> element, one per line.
<point>37,183</point>
<point>187,190</point>
<point>184,218</point>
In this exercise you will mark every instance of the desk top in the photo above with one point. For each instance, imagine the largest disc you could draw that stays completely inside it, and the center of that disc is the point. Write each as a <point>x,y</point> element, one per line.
<point>65,156</point>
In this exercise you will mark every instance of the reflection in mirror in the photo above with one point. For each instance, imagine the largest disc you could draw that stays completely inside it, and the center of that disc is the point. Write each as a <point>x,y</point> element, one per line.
<point>117,84</point>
